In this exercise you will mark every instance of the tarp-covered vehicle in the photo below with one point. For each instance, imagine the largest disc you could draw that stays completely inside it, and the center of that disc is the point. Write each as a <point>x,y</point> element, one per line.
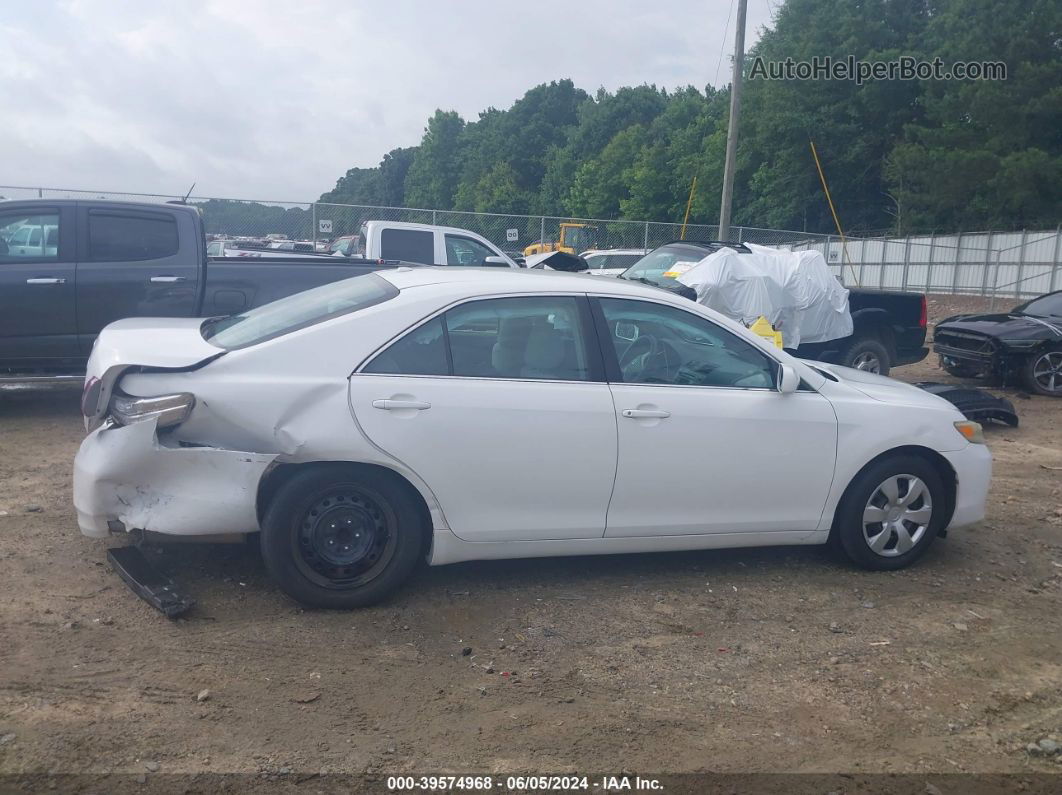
<point>887,328</point>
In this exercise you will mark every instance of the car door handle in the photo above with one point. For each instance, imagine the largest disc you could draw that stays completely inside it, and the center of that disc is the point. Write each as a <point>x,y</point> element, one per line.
<point>46,280</point>
<point>644,414</point>
<point>391,405</point>
<point>167,279</point>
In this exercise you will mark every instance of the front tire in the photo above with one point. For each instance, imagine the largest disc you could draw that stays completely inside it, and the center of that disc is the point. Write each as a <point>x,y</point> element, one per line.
<point>1042,372</point>
<point>867,353</point>
<point>891,513</point>
<point>337,538</point>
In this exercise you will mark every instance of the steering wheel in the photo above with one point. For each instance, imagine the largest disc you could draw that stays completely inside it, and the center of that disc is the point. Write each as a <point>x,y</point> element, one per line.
<point>634,350</point>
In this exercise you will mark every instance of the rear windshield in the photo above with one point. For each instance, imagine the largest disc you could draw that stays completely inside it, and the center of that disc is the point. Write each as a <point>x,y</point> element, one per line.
<point>297,311</point>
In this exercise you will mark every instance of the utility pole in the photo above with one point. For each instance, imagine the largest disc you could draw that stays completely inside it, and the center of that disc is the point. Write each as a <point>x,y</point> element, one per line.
<point>732,129</point>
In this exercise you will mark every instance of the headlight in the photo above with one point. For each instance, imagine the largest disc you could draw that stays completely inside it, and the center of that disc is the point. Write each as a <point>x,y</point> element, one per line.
<point>971,431</point>
<point>168,409</point>
<point>1021,343</point>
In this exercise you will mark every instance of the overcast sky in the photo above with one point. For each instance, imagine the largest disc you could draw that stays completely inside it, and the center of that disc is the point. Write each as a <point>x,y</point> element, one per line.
<point>275,99</point>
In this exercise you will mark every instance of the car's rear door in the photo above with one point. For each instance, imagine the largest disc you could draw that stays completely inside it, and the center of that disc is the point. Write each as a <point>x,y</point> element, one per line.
<point>707,444</point>
<point>499,406</point>
<point>38,325</point>
<point>134,262</point>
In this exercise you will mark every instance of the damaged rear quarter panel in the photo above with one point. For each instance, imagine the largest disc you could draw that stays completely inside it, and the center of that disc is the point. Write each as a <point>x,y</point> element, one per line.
<point>288,398</point>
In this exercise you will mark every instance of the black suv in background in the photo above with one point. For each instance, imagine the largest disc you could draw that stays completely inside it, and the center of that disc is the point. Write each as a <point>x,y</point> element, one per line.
<point>889,327</point>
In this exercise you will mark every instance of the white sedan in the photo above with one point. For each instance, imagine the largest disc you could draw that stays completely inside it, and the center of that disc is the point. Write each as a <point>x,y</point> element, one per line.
<point>467,414</point>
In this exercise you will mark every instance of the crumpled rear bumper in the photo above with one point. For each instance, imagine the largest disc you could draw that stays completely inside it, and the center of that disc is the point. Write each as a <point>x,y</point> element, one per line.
<point>126,474</point>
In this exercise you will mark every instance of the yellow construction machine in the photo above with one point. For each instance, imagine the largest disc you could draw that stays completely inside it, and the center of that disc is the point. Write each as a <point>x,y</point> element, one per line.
<point>574,239</point>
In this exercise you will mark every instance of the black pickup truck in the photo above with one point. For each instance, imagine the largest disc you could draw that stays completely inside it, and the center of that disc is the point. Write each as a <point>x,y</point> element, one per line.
<point>70,267</point>
<point>889,328</point>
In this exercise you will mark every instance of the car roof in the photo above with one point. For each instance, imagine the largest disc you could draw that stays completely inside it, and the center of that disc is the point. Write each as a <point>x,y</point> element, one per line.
<point>597,252</point>
<point>424,227</point>
<point>491,280</point>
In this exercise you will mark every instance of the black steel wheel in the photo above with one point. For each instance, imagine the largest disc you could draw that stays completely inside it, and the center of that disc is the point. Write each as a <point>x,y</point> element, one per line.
<point>336,538</point>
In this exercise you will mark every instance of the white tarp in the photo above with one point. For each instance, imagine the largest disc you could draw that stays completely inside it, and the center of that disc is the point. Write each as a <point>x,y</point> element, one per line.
<point>794,290</point>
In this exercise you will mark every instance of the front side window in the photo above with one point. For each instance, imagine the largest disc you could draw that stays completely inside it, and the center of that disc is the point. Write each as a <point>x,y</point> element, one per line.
<point>408,245</point>
<point>659,344</point>
<point>28,236</point>
<point>114,237</point>
<point>538,338</point>
<point>466,251</point>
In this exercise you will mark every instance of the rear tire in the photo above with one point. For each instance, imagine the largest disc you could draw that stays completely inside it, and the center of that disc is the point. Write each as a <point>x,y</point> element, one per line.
<point>867,353</point>
<point>890,513</point>
<point>338,539</point>
<point>1042,372</point>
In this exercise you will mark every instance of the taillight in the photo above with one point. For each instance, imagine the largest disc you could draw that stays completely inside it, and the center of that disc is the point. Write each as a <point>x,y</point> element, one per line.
<point>923,319</point>
<point>169,410</point>
<point>90,396</point>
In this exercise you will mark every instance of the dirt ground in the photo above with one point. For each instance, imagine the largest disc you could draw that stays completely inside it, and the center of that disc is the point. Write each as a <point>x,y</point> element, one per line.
<point>735,661</point>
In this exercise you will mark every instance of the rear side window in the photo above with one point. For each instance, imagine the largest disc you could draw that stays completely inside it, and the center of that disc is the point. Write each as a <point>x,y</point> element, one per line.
<point>421,352</point>
<point>297,311</point>
<point>531,338</point>
<point>24,236</point>
<point>125,238</point>
<point>409,245</point>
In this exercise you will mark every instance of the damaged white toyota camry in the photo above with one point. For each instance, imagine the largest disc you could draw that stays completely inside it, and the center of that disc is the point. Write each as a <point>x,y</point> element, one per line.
<point>470,414</point>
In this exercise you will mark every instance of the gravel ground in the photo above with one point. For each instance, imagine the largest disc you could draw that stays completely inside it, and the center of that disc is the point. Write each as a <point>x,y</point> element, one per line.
<point>736,661</point>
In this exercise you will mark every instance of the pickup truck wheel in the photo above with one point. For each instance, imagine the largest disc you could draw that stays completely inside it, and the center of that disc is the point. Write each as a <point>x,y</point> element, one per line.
<point>867,353</point>
<point>1042,372</point>
<point>334,539</point>
<point>891,513</point>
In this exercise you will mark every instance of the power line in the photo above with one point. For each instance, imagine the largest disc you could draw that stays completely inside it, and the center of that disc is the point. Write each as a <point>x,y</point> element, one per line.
<point>722,44</point>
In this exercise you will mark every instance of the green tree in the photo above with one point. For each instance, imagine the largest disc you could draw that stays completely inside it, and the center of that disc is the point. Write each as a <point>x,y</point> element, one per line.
<point>436,168</point>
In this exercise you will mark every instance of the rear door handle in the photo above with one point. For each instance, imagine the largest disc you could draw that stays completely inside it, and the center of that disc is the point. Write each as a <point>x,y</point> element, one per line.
<point>167,279</point>
<point>644,414</point>
<point>46,280</point>
<point>390,405</point>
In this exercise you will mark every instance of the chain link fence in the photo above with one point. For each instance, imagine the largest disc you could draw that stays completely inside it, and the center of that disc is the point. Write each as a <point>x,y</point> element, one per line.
<point>998,264</point>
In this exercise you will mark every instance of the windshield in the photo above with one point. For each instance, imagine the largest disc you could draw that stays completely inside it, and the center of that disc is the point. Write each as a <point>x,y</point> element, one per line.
<point>297,311</point>
<point>656,263</point>
<point>1045,306</point>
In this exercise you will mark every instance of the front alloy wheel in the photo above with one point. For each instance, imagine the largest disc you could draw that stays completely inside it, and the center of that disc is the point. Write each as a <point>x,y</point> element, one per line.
<point>1043,373</point>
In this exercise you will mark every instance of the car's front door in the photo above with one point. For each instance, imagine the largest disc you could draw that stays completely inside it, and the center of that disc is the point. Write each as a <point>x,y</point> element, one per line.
<point>499,405</point>
<point>37,256</point>
<point>707,444</point>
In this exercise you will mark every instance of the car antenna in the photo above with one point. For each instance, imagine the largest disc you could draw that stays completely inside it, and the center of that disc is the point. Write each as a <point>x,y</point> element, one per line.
<point>183,199</point>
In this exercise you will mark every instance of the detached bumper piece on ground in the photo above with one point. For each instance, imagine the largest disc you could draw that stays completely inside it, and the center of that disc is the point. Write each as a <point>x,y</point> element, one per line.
<point>149,583</point>
<point>975,404</point>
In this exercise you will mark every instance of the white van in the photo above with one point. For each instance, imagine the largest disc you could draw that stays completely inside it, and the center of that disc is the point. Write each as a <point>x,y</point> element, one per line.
<point>428,245</point>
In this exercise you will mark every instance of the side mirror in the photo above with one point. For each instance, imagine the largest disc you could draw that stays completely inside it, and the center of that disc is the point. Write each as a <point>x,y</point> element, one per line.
<point>788,380</point>
<point>496,262</point>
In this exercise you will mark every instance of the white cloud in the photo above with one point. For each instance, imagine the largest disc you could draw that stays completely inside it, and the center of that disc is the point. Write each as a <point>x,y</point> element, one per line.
<point>275,99</point>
